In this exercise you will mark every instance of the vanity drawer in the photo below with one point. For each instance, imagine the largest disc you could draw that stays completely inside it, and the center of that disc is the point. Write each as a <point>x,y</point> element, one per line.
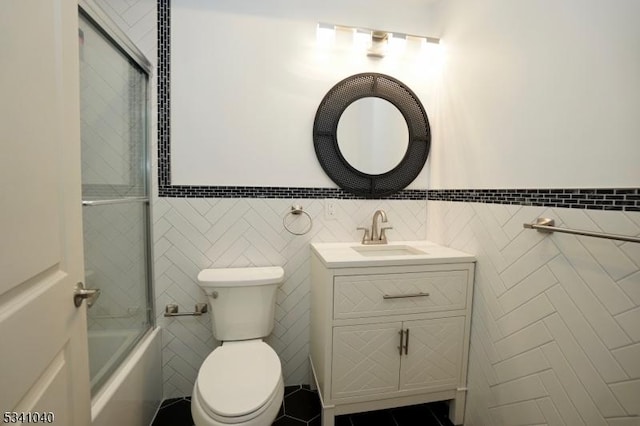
<point>359,296</point>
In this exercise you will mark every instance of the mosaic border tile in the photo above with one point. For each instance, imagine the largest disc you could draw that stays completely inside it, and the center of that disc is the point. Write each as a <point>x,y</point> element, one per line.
<point>187,191</point>
<point>623,199</point>
<point>164,98</point>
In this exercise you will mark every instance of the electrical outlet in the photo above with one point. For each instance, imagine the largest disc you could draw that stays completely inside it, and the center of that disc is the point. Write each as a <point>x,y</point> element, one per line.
<point>330,209</point>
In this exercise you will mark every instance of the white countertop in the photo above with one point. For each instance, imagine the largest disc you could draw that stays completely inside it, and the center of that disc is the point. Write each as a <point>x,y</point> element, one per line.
<point>342,255</point>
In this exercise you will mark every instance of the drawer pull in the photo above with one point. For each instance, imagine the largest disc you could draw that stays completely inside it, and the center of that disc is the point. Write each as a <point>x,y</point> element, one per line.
<point>403,296</point>
<point>401,333</point>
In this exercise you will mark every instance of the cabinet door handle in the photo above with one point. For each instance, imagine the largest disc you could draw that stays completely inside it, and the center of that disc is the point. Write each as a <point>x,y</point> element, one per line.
<point>406,342</point>
<point>401,333</point>
<point>403,296</point>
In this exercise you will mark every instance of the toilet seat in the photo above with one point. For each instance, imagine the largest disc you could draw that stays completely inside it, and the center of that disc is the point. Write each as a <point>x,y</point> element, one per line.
<point>238,381</point>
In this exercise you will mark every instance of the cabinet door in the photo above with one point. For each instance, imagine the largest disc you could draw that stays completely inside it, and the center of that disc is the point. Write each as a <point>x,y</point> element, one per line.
<point>365,359</point>
<point>434,357</point>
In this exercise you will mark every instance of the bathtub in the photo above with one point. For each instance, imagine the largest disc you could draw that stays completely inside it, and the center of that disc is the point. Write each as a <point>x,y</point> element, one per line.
<point>107,347</point>
<point>131,396</point>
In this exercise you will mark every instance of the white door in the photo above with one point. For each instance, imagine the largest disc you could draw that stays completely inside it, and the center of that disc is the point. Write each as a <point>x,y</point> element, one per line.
<point>43,342</point>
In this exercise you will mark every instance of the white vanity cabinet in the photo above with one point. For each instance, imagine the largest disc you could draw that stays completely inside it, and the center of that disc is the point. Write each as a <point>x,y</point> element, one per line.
<point>390,331</point>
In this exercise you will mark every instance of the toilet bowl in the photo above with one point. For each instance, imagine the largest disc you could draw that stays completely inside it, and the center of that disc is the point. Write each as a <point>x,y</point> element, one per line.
<point>240,383</point>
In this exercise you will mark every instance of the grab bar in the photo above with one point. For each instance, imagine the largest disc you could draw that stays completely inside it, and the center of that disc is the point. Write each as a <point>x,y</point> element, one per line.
<point>115,201</point>
<point>544,224</point>
<point>171,310</point>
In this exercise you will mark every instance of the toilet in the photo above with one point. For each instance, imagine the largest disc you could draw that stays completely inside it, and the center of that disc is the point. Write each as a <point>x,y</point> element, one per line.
<point>240,382</point>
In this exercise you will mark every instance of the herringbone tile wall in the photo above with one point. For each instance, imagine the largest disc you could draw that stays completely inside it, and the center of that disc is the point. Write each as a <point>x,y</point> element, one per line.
<point>555,333</point>
<point>112,98</point>
<point>138,20</point>
<point>193,234</point>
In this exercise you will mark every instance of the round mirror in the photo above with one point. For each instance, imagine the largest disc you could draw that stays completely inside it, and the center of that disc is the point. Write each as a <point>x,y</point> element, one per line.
<point>373,135</point>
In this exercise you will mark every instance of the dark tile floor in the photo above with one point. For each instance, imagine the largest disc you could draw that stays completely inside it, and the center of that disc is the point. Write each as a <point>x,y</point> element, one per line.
<point>301,407</point>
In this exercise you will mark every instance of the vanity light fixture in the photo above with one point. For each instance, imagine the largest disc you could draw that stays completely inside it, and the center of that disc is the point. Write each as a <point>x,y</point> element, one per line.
<point>379,44</point>
<point>376,43</point>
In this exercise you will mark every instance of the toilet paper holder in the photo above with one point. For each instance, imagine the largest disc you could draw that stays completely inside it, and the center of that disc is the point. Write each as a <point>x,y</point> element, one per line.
<point>172,310</point>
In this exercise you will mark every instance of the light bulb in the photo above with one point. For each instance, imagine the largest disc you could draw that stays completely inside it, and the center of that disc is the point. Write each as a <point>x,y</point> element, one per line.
<point>325,34</point>
<point>397,42</point>
<point>362,38</point>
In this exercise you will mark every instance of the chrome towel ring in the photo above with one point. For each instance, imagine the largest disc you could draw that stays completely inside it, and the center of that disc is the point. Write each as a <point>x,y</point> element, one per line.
<point>294,214</point>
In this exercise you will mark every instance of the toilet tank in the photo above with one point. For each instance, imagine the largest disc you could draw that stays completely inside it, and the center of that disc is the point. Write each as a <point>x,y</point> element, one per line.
<point>242,300</point>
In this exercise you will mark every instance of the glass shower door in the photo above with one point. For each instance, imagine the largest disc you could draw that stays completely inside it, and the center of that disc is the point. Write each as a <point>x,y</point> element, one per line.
<point>115,198</point>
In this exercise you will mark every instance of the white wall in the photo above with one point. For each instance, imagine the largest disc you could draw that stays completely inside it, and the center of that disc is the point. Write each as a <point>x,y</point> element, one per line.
<point>537,94</point>
<point>247,79</point>
<point>543,94</point>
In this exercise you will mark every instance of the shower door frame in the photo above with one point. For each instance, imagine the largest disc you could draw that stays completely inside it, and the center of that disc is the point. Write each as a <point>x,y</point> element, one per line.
<point>103,23</point>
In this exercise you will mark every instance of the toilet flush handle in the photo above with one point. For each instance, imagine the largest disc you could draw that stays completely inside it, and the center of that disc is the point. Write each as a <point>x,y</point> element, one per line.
<point>214,294</point>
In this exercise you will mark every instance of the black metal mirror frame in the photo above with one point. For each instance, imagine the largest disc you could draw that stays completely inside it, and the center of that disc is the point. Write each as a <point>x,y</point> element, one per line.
<point>325,138</point>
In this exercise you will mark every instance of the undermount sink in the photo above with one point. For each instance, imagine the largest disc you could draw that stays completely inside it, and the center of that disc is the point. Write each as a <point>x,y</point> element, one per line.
<point>384,250</point>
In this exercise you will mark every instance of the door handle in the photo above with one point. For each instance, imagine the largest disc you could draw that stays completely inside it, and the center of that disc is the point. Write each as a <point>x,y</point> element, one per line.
<point>80,293</point>
<point>406,343</point>
<point>401,333</point>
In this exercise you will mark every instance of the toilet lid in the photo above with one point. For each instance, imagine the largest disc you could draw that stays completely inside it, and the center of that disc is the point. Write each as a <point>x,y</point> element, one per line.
<point>238,378</point>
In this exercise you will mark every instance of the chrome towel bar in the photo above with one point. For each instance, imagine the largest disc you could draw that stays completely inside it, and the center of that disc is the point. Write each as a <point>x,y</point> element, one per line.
<point>115,201</point>
<point>544,224</point>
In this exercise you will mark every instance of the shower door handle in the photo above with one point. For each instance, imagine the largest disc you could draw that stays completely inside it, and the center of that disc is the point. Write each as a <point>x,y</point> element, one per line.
<point>80,293</point>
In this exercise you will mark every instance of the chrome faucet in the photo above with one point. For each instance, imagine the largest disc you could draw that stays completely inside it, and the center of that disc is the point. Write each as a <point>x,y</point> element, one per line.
<point>378,235</point>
